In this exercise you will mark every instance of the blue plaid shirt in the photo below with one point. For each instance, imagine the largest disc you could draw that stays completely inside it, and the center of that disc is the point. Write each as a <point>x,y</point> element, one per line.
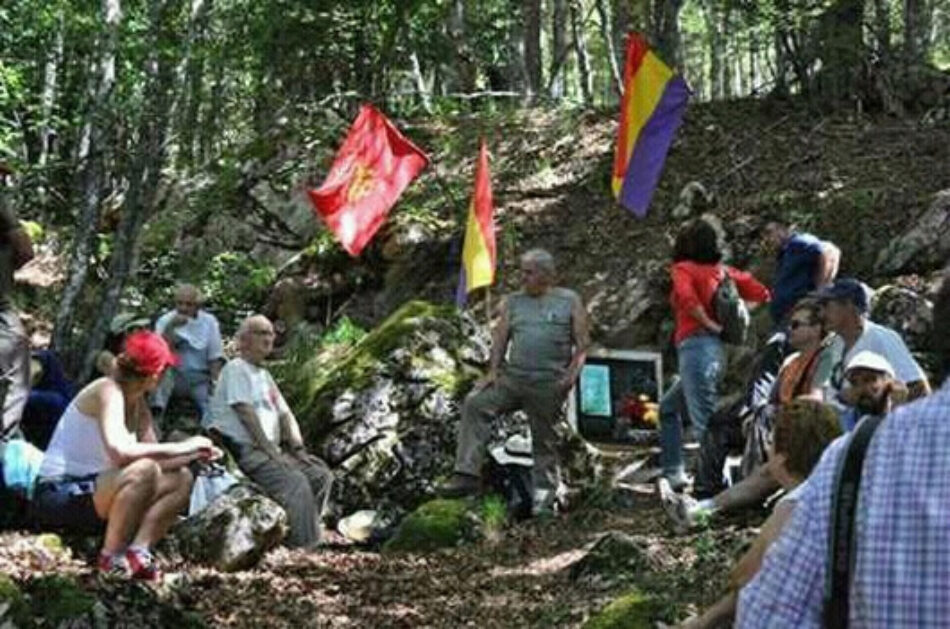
<point>901,576</point>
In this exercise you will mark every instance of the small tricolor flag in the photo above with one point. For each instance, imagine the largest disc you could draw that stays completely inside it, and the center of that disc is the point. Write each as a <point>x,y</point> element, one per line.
<point>478,252</point>
<point>651,110</point>
<point>373,166</point>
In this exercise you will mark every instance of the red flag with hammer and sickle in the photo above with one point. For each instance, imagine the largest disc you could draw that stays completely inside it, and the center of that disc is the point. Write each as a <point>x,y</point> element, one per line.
<point>371,169</point>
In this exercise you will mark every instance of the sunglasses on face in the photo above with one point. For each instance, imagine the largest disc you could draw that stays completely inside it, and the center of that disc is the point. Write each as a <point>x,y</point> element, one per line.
<point>794,324</point>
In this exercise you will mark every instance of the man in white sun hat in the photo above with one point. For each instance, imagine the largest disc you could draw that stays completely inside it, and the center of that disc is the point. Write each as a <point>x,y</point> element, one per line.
<point>871,386</point>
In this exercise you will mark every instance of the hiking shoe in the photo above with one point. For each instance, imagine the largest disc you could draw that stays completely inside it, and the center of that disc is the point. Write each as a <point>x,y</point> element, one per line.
<point>113,565</point>
<point>143,565</point>
<point>679,508</point>
<point>460,485</point>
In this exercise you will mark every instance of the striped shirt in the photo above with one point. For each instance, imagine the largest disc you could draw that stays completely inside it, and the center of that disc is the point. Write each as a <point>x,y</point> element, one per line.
<point>901,575</point>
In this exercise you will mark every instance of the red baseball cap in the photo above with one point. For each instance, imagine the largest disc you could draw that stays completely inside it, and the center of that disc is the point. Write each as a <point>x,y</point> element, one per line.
<point>148,352</point>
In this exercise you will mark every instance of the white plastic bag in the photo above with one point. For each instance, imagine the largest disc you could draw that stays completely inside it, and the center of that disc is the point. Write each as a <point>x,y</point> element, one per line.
<point>209,484</point>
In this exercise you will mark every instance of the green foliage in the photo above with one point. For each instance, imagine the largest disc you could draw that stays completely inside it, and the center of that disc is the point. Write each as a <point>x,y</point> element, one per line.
<point>236,284</point>
<point>343,332</point>
<point>633,610</point>
<point>13,605</point>
<point>59,598</point>
<point>444,523</point>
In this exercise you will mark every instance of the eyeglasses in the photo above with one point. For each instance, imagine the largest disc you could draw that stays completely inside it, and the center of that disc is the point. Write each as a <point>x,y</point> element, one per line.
<point>794,324</point>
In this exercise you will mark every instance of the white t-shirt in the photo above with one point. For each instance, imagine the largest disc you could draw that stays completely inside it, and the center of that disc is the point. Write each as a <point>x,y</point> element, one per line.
<point>245,383</point>
<point>880,340</point>
<point>197,342</point>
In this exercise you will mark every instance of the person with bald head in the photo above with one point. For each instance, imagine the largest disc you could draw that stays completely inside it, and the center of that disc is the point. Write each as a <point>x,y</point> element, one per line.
<point>195,336</point>
<point>250,412</point>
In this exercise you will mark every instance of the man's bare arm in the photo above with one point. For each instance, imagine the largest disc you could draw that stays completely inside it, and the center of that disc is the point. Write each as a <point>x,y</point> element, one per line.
<point>249,419</point>
<point>580,337</point>
<point>499,341</point>
<point>290,431</point>
<point>828,263</point>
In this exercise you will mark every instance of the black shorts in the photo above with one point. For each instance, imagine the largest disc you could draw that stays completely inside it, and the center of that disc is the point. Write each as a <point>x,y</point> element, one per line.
<point>66,504</point>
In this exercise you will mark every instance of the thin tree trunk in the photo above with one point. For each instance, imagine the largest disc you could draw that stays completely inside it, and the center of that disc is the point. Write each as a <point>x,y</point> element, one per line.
<point>918,16</point>
<point>580,48</point>
<point>420,81</point>
<point>188,107</point>
<point>559,21</point>
<point>532,46</point>
<point>97,133</point>
<point>606,33</point>
<point>145,177</point>
<point>48,96</point>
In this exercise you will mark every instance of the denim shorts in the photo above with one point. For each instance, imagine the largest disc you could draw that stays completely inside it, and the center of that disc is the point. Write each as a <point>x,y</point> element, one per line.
<point>66,503</point>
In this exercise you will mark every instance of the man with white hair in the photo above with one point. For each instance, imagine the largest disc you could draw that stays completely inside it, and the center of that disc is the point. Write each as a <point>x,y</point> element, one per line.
<point>250,412</point>
<point>538,348</point>
<point>195,336</point>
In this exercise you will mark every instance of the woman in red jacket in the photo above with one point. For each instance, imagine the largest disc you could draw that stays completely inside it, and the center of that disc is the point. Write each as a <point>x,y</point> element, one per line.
<point>696,272</point>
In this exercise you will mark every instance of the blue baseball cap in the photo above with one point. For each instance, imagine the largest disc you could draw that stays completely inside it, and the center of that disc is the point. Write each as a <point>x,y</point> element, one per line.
<point>846,289</point>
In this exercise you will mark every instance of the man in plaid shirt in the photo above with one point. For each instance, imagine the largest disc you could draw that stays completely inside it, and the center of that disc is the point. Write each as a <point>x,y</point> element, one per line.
<point>901,573</point>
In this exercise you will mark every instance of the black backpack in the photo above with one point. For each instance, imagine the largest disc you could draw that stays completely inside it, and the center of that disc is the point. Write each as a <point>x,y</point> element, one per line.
<point>731,312</point>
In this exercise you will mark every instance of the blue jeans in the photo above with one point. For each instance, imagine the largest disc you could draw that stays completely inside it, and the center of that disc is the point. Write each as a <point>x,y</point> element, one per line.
<point>701,363</point>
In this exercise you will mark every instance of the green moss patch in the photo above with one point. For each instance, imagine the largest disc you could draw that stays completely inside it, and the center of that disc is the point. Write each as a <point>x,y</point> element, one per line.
<point>633,610</point>
<point>58,598</point>
<point>443,523</point>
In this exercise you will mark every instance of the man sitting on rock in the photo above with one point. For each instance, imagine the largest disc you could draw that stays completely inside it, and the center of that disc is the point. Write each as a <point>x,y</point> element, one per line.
<point>248,410</point>
<point>195,336</point>
<point>543,331</point>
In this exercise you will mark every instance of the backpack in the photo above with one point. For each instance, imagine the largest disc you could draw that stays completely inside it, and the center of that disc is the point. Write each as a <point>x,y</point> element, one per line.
<point>730,311</point>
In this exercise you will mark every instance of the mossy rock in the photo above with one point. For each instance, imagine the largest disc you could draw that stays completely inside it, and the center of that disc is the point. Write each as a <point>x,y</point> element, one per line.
<point>615,556</point>
<point>445,523</point>
<point>13,605</point>
<point>58,598</point>
<point>633,610</point>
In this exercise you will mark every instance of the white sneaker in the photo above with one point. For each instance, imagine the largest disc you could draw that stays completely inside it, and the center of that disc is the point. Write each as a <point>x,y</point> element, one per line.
<point>681,509</point>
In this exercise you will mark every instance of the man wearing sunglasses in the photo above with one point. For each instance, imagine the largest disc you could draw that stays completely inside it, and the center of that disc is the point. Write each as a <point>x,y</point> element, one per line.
<point>845,313</point>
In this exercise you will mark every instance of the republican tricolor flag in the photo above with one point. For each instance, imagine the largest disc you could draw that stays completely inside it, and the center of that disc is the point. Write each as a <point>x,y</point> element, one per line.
<point>654,99</point>
<point>478,252</point>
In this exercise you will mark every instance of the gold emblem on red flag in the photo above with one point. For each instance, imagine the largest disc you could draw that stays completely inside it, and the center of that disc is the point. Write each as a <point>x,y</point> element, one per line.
<point>361,184</point>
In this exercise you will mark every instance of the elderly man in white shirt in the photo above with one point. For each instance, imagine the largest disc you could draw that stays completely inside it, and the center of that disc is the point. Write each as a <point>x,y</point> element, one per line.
<point>195,336</point>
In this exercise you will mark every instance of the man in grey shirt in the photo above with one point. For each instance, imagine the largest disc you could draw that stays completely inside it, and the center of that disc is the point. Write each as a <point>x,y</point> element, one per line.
<point>543,331</point>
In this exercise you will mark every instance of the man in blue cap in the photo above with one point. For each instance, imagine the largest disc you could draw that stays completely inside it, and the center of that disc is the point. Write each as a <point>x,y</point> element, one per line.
<point>846,314</point>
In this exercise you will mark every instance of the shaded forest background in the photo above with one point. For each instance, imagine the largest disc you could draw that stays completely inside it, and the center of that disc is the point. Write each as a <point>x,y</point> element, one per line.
<point>139,130</point>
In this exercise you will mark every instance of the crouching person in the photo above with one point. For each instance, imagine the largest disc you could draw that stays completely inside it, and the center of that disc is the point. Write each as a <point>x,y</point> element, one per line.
<point>104,469</point>
<point>249,410</point>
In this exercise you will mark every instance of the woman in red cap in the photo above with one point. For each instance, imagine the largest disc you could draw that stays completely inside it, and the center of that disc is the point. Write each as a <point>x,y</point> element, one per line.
<point>104,468</point>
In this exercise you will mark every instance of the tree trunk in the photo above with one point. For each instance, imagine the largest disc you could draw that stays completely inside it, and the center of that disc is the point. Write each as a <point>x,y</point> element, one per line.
<point>465,68</point>
<point>918,23</point>
<point>666,30</point>
<point>580,48</point>
<point>606,32</point>
<point>424,97</point>
<point>717,50</point>
<point>99,123</point>
<point>48,96</point>
<point>882,27</point>
<point>145,176</point>
<point>532,46</point>
<point>559,20</point>
<point>841,48</point>
<point>193,66</point>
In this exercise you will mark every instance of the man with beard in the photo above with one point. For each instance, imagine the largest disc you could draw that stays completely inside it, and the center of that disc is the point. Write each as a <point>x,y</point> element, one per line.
<point>872,387</point>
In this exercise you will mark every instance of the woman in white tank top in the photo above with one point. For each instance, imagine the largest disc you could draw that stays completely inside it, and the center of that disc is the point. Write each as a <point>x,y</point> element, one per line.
<point>104,466</point>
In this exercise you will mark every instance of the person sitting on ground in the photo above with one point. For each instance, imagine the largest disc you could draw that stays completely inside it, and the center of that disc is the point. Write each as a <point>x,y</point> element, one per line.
<point>104,469</point>
<point>697,271</point>
<point>803,264</point>
<point>803,373</point>
<point>50,393</point>
<point>248,410</point>
<point>542,330</point>
<point>899,572</point>
<point>874,391</point>
<point>121,326</point>
<point>195,336</point>
<point>846,314</point>
<point>803,429</point>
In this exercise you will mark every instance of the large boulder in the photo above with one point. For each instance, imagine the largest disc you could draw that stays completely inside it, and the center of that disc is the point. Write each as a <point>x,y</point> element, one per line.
<point>384,413</point>
<point>234,531</point>
<point>907,312</point>
<point>924,246</point>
